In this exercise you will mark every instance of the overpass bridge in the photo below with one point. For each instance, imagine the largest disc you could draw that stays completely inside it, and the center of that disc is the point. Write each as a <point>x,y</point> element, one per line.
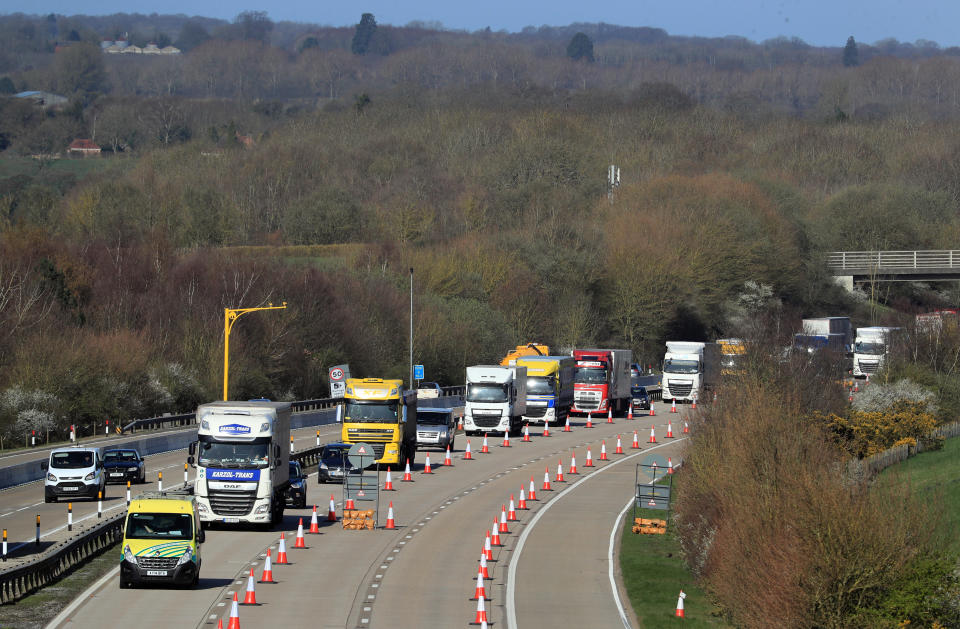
<point>853,267</point>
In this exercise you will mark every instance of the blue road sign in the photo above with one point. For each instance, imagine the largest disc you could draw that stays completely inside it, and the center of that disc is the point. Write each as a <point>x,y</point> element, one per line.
<point>418,372</point>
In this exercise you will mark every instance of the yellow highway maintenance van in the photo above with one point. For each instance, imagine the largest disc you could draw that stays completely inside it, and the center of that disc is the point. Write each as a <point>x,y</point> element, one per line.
<point>161,541</point>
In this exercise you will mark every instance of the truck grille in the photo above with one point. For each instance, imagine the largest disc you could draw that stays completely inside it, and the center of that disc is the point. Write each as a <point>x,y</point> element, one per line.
<point>232,502</point>
<point>158,563</point>
<point>868,367</point>
<point>486,421</point>
<point>426,435</point>
<point>370,435</point>
<point>536,411</point>
<point>679,389</point>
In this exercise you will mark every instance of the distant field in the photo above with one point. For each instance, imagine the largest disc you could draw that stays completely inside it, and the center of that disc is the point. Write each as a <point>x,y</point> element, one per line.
<point>56,169</point>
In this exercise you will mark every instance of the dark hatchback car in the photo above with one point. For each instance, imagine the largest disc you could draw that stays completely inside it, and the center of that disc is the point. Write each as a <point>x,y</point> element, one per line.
<point>297,492</point>
<point>333,463</point>
<point>641,399</point>
<point>124,464</point>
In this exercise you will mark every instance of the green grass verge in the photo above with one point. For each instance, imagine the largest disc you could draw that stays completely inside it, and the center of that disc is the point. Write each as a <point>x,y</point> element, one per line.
<point>934,476</point>
<point>654,573</point>
<point>38,609</point>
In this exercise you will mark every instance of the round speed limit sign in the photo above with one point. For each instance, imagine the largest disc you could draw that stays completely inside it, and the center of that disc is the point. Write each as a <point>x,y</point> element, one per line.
<point>336,374</point>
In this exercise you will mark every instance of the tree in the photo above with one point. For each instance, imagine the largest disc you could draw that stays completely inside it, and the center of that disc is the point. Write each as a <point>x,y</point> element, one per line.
<point>191,36</point>
<point>851,56</point>
<point>580,47</point>
<point>78,69</point>
<point>7,86</point>
<point>364,34</point>
<point>254,25</point>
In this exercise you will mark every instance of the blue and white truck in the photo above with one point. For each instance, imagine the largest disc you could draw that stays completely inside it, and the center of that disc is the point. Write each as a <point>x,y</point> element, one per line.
<point>242,460</point>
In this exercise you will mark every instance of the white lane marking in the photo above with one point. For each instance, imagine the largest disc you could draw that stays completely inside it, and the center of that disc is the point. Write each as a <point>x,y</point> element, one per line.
<point>610,563</point>
<point>81,599</point>
<point>511,612</point>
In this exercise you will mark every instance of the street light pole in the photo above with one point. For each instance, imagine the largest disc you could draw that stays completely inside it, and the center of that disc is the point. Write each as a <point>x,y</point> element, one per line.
<point>230,316</point>
<point>411,327</point>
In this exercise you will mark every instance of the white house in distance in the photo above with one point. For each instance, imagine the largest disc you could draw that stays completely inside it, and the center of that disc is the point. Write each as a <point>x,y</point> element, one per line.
<point>122,46</point>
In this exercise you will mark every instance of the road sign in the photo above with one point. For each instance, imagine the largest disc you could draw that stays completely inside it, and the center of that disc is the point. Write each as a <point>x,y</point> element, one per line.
<point>361,455</point>
<point>338,380</point>
<point>418,372</point>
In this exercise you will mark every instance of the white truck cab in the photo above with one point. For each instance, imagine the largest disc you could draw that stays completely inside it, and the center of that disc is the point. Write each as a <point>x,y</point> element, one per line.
<point>496,398</point>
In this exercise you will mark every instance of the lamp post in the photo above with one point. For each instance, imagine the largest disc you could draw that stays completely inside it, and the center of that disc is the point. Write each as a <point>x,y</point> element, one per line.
<point>230,316</point>
<point>411,328</point>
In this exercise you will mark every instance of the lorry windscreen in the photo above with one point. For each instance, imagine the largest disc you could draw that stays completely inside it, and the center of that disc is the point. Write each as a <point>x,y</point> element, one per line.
<point>487,393</point>
<point>160,526</point>
<point>672,365</point>
<point>233,455</point>
<point>540,386</point>
<point>376,412</point>
<point>590,375</point>
<point>874,349</point>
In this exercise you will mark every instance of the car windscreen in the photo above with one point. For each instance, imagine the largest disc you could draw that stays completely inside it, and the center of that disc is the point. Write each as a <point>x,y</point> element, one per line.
<point>112,456</point>
<point>334,452</point>
<point>159,526</point>
<point>71,460</point>
<point>428,418</point>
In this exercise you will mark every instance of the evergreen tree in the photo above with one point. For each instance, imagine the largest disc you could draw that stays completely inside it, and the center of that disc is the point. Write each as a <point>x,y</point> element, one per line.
<point>580,47</point>
<point>365,31</point>
<point>851,57</point>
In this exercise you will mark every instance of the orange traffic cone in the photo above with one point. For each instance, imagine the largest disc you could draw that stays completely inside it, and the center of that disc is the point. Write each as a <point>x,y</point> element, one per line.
<point>483,564</point>
<point>503,520</point>
<point>300,542</point>
<point>426,466</point>
<point>546,428</point>
<point>546,480</point>
<point>630,411</point>
<point>603,451</point>
<point>522,501</point>
<point>573,464</point>
<point>446,461</point>
<point>526,433</point>
<point>480,592</point>
<point>589,462</point>
<point>850,398</point>
<point>610,415</point>
<point>589,421</point>
<point>679,613</point>
<point>460,423</point>
<point>332,510</point>
<point>349,506</point>
<point>282,552</point>
<point>495,537</point>
<point>533,491</point>
<point>506,439</point>
<point>234,614</point>
<point>559,476</point>
<point>651,410</point>
<point>485,449</point>
<point>267,576</point>
<point>390,522</point>
<point>636,444</point>
<point>481,618</point>
<point>619,449</point>
<point>856,386</point>
<point>314,524</point>
<point>407,476</point>
<point>388,484</point>
<point>669,465</point>
<point>673,406</point>
<point>250,598</point>
<point>669,429</point>
<point>566,425</point>
<point>487,548</point>
<point>220,623</point>
<point>686,429</point>
<point>693,402</point>
<point>653,436</point>
<point>468,455</point>
<point>512,512</point>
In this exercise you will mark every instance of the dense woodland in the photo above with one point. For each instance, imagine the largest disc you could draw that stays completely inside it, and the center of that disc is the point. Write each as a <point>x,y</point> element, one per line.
<point>287,162</point>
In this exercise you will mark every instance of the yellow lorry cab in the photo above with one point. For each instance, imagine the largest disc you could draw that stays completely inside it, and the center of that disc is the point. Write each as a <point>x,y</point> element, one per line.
<point>161,541</point>
<point>382,413</point>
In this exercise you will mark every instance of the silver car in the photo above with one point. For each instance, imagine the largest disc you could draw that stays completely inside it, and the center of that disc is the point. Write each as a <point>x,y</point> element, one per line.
<point>436,428</point>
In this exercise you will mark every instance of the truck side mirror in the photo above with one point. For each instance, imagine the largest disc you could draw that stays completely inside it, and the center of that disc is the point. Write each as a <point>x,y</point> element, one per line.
<point>403,415</point>
<point>193,448</point>
<point>190,460</point>
<point>201,536</point>
<point>44,465</point>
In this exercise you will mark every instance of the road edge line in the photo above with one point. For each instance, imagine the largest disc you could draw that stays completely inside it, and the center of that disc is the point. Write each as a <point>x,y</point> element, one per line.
<point>82,598</point>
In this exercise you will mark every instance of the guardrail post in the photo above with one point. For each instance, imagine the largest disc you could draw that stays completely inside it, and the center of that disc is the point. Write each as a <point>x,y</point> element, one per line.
<point>128,493</point>
<point>159,481</point>
<point>186,478</point>
<point>318,438</point>
<point>4,544</point>
<point>99,505</point>
<point>291,445</point>
<point>38,529</point>
<point>69,516</point>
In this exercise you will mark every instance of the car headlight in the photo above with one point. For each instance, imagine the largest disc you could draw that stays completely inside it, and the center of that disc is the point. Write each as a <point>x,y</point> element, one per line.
<point>186,557</point>
<point>128,555</point>
<point>51,478</point>
<point>90,476</point>
<point>133,469</point>
<point>205,425</point>
<point>323,466</point>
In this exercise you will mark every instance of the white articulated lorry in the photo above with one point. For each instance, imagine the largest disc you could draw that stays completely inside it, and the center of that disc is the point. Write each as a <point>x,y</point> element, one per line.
<point>243,461</point>
<point>689,369</point>
<point>870,350</point>
<point>496,398</point>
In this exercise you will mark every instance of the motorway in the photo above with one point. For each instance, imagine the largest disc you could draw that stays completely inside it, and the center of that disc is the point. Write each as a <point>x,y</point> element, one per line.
<point>554,568</point>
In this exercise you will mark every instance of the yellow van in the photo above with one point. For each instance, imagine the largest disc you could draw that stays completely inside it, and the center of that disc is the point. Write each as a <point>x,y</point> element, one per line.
<point>161,541</point>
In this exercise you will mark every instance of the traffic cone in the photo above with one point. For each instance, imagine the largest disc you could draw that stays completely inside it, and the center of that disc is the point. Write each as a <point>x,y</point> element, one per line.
<point>526,433</point>
<point>390,523</point>
<point>487,548</point>
<point>506,439</point>
<point>426,466</point>
<point>589,421</point>
<point>512,512</point>
<point>446,461</point>
<point>522,501</point>
<point>693,402</point>
<point>636,444</point>
<point>481,618</point>
<point>566,425</point>
<point>559,477</point>
<point>651,410</point>
<point>850,398</point>
<point>480,592</point>
<point>546,480</point>
<point>483,564</point>
<point>546,428</point>
<point>630,411</point>
<point>485,449</point>
<point>673,406</point>
<point>300,542</point>
<point>603,450</point>
<point>503,520</point>
<point>573,464</point>
<point>234,614</point>
<point>250,598</point>
<point>669,429</point>
<point>388,484</point>
<point>619,449</point>
<point>533,490</point>
<point>653,436</point>
<point>468,455</point>
<point>220,623</point>
<point>495,536</point>
<point>610,415</point>
<point>282,552</point>
<point>267,576</point>
<point>349,506</point>
<point>686,429</point>
<point>679,612</point>
<point>856,386</point>
<point>589,462</point>
<point>314,524</point>
<point>669,465</point>
<point>332,511</point>
<point>407,476</point>
<point>460,423</point>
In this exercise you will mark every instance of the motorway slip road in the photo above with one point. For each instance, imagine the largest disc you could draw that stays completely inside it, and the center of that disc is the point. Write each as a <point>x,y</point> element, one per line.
<point>422,574</point>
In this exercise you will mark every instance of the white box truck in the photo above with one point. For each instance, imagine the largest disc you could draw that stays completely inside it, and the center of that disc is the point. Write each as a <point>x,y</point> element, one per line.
<point>243,461</point>
<point>496,398</point>
<point>870,350</point>
<point>690,368</point>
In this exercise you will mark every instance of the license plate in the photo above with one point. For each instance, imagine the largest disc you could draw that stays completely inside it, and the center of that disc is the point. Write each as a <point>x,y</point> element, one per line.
<point>231,520</point>
<point>116,473</point>
<point>156,573</point>
<point>70,488</point>
<point>336,473</point>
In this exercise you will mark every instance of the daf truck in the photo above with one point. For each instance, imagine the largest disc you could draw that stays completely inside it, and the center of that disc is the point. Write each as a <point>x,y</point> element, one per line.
<point>496,399</point>
<point>549,388</point>
<point>243,461</point>
<point>602,381</point>
<point>870,350</point>
<point>382,413</point>
<point>690,368</point>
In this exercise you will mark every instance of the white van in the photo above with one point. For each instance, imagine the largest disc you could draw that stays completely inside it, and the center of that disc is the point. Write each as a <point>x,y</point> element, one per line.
<point>74,472</point>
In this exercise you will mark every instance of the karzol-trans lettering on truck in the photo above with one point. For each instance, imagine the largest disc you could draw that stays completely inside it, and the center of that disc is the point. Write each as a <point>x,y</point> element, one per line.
<point>530,349</point>
<point>601,381</point>
<point>870,350</point>
<point>242,458</point>
<point>549,388</point>
<point>496,398</point>
<point>382,413</point>
<point>689,369</point>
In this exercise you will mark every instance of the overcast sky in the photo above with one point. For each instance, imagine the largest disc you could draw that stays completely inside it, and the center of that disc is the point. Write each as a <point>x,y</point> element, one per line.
<point>818,22</point>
